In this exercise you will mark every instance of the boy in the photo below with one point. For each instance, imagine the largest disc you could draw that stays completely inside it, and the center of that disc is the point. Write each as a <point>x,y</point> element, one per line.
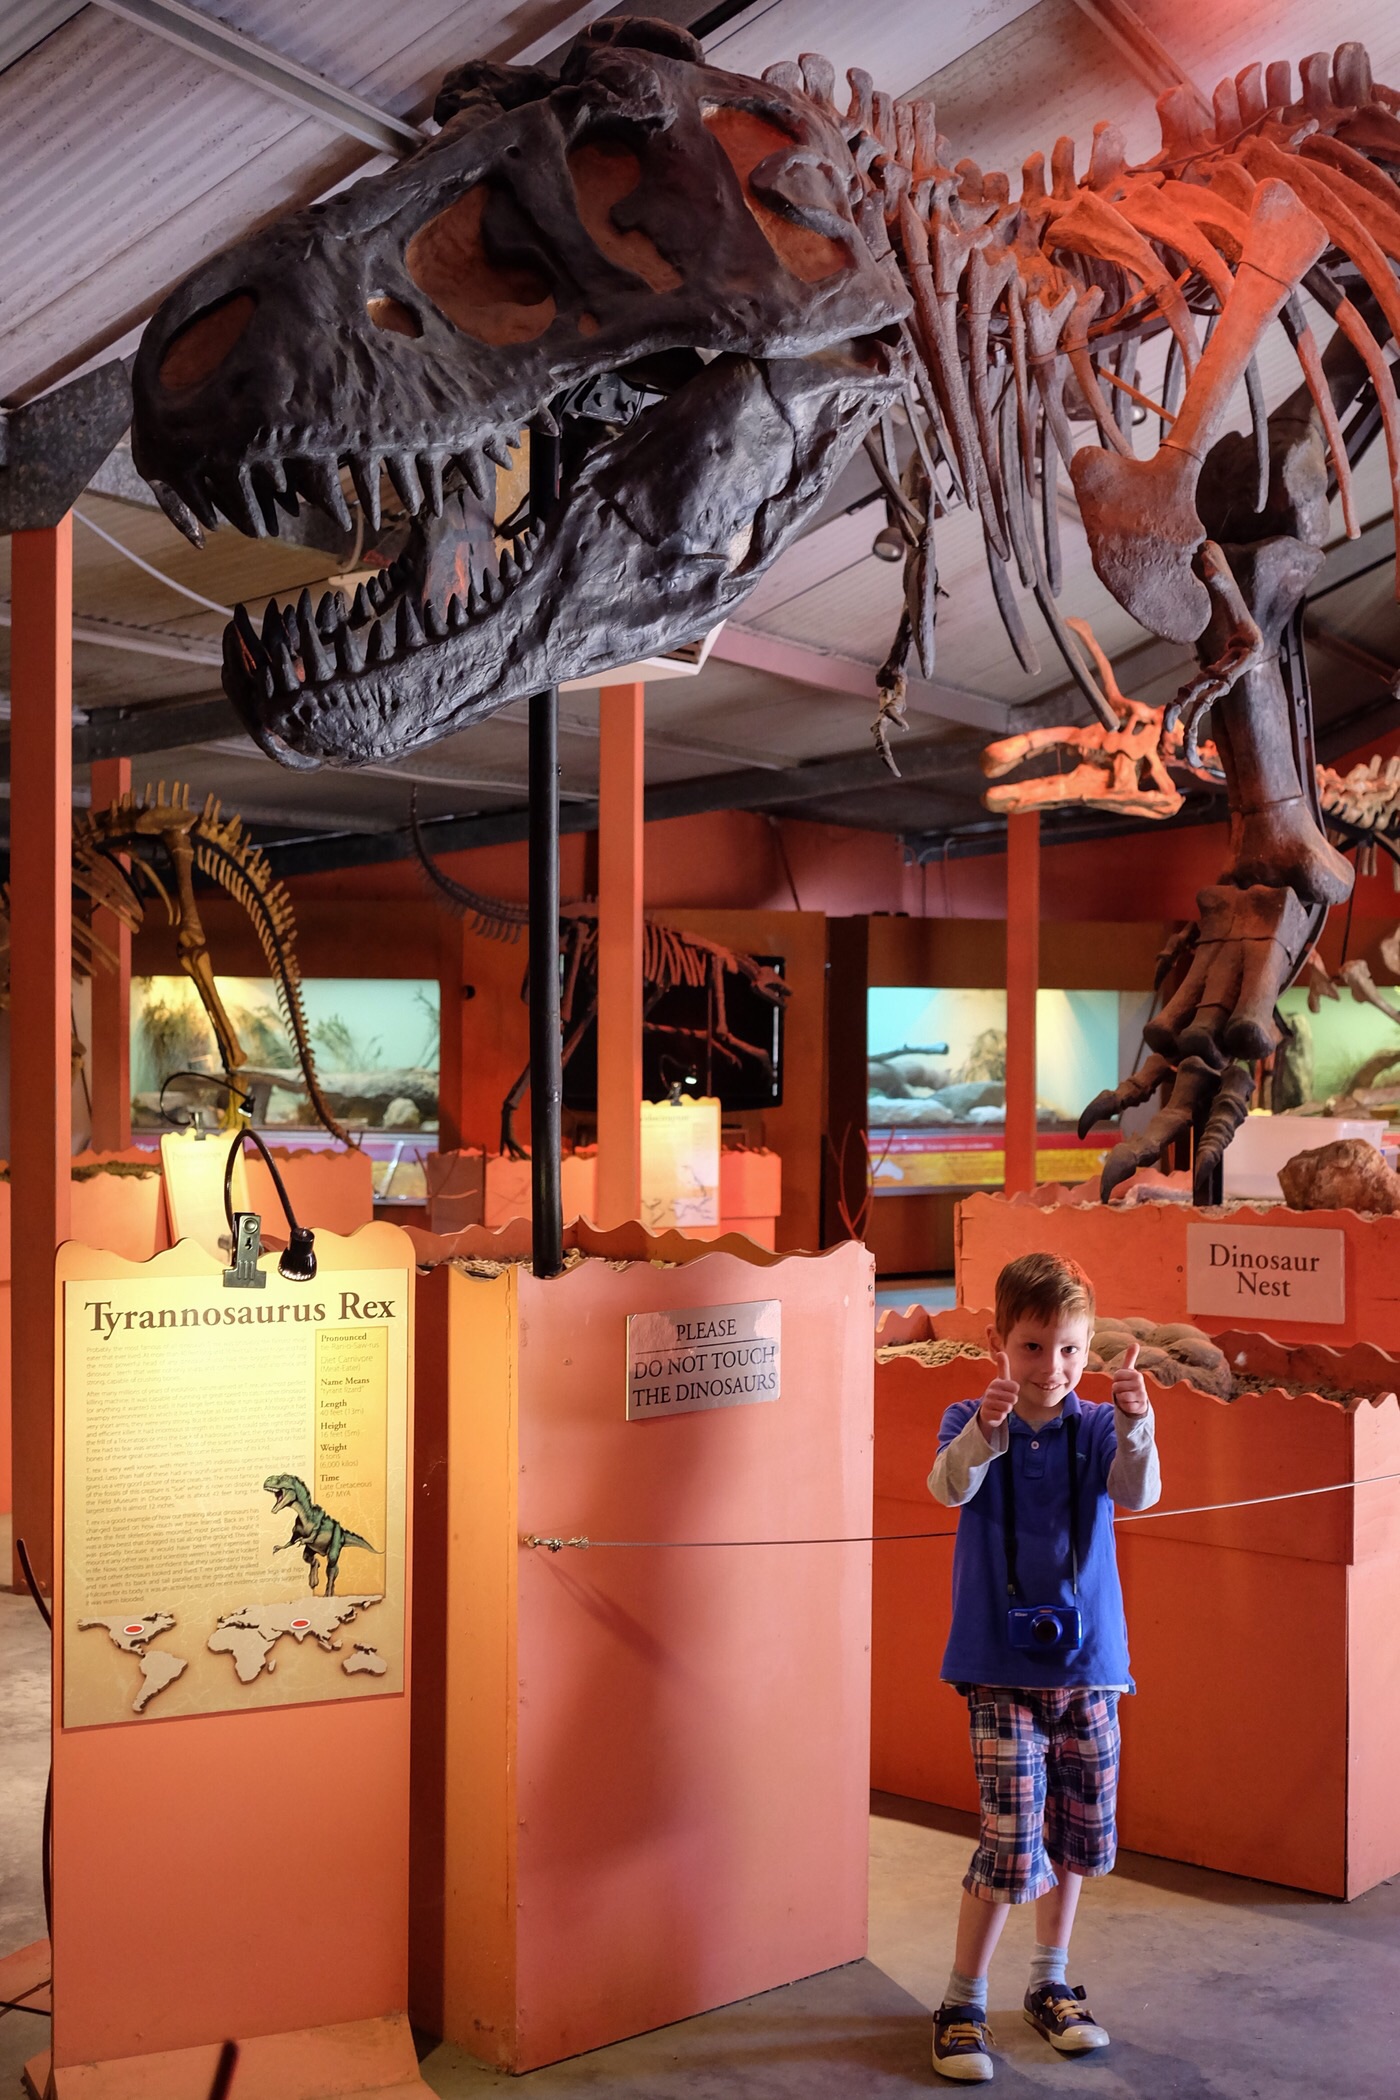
<point>1034,1472</point>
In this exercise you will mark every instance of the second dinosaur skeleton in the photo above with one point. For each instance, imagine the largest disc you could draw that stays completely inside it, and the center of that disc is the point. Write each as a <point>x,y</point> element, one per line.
<point>113,864</point>
<point>670,958</point>
<point>720,286</point>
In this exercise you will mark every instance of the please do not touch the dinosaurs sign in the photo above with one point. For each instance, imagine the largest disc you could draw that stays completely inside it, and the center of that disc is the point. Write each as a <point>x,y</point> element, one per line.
<point>233,1492</point>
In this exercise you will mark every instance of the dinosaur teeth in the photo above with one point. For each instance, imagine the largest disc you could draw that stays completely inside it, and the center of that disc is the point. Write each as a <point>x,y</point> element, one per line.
<point>253,652</point>
<point>349,649</point>
<point>272,624</point>
<point>479,476</point>
<point>265,494</point>
<point>409,633</point>
<point>360,610</point>
<point>457,615</point>
<point>284,668</point>
<point>381,647</point>
<point>497,448</point>
<point>319,481</point>
<point>473,599</point>
<point>434,625</point>
<point>545,421</point>
<point>524,552</point>
<point>317,658</point>
<point>510,570</point>
<point>237,507</point>
<point>404,474</point>
<point>492,587</point>
<point>430,474</point>
<point>364,472</point>
<point>331,613</point>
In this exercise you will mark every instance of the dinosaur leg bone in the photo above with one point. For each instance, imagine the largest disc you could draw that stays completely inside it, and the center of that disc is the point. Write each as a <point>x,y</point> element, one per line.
<point>1140,514</point>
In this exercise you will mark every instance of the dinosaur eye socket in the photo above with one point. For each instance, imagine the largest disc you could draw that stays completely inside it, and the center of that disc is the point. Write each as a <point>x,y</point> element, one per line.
<point>495,302</point>
<point>203,343</point>
<point>603,173</point>
<point>746,139</point>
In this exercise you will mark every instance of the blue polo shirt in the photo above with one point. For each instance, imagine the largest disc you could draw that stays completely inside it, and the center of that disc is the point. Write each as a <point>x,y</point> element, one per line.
<point>978,1651</point>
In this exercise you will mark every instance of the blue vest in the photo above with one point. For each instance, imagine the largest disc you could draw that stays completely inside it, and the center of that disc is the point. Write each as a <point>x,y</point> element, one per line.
<point>978,1651</point>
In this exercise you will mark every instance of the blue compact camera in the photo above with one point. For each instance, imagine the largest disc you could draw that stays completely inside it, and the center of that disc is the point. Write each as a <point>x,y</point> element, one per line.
<point>1044,1626</point>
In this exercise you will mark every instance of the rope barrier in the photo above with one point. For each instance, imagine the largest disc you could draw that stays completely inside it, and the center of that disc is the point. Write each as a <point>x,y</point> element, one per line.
<point>554,1543</point>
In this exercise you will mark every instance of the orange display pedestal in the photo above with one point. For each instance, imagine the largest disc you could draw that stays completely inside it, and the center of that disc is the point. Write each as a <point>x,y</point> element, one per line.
<point>1260,1741</point>
<point>640,1776</point>
<point>234,1874</point>
<point>1136,1258</point>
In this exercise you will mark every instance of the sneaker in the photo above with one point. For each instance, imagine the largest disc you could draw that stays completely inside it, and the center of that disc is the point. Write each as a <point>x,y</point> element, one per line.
<point>961,2039</point>
<point>1060,2013</point>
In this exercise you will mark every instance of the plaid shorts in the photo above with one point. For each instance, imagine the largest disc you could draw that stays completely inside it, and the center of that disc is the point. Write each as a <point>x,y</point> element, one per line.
<point>1047,1773</point>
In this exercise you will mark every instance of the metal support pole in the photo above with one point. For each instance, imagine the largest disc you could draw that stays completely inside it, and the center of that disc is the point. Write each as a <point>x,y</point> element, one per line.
<point>546,1071</point>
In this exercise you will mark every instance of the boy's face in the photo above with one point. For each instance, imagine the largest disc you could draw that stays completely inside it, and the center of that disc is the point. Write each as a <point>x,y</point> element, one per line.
<point>1045,1357</point>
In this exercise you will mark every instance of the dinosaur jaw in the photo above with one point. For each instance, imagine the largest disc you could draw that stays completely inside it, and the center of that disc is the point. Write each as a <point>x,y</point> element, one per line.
<point>667,525</point>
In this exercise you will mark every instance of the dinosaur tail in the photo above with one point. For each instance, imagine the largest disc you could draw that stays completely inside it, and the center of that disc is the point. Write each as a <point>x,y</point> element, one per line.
<point>352,1538</point>
<point>238,866</point>
<point>494,917</point>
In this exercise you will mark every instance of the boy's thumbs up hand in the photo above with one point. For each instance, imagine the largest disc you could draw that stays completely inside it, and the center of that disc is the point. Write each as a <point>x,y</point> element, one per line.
<point>1000,1396</point>
<point>1129,1392</point>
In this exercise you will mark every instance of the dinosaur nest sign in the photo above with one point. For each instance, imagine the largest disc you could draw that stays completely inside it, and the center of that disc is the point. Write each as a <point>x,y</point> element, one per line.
<point>1267,1271</point>
<point>233,1490</point>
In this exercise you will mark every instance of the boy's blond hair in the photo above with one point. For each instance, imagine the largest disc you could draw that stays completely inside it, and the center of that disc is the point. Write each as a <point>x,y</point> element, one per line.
<point>1043,1288</point>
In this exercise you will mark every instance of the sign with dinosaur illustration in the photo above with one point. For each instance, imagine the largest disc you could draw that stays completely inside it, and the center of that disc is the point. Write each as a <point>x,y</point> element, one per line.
<point>234,1466</point>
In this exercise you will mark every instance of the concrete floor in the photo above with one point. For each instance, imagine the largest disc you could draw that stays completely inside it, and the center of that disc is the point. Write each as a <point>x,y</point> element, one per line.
<point>1214,1989</point>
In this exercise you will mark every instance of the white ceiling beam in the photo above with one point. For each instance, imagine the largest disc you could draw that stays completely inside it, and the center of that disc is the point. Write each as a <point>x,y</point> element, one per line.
<point>1134,41</point>
<point>139,641</point>
<point>234,52</point>
<point>842,674</point>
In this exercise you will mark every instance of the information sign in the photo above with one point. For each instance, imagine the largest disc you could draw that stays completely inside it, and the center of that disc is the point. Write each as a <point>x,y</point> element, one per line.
<point>1264,1272</point>
<point>234,1482</point>
<point>679,1363</point>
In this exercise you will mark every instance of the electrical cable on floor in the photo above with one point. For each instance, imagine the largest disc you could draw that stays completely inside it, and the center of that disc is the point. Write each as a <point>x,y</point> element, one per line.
<point>555,1544</point>
<point>160,576</point>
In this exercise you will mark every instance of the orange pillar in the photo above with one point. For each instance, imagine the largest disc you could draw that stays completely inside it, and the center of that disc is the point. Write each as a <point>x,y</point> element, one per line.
<point>110,1060</point>
<point>41,992</point>
<point>621,722</point>
<point>453,993</point>
<point>1022,980</point>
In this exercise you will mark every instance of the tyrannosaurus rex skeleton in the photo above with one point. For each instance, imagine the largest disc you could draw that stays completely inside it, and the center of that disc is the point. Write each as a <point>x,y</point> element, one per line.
<point>718,286</point>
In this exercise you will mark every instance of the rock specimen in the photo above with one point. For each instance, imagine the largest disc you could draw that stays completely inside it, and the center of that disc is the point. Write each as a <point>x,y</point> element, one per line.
<point>1346,1175</point>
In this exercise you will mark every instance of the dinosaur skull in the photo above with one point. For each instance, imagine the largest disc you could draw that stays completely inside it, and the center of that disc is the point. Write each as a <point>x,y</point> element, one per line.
<point>665,256</point>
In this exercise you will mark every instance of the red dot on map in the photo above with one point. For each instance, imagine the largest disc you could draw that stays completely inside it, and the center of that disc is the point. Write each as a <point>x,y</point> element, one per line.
<point>137,1628</point>
<point>297,1624</point>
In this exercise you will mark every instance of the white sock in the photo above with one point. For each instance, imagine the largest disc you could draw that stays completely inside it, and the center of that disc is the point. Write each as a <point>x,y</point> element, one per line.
<point>1048,1965</point>
<point>966,1990</point>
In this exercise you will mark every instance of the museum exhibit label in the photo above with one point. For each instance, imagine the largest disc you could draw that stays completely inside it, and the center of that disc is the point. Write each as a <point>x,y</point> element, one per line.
<point>233,1492</point>
<point>1261,1269</point>
<point>679,1363</point>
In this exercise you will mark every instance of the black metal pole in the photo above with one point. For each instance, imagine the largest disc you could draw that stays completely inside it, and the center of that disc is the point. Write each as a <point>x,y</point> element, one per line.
<point>546,1073</point>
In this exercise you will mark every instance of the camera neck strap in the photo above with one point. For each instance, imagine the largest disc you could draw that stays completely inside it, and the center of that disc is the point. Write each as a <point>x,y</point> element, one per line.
<point>1008,1510</point>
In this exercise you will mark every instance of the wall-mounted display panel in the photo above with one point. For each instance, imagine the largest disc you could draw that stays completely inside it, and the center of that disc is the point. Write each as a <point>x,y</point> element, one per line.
<point>936,1092</point>
<point>376,1045</point>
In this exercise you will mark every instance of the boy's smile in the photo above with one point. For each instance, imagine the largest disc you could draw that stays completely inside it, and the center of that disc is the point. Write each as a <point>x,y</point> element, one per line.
<point>1045,1359</point>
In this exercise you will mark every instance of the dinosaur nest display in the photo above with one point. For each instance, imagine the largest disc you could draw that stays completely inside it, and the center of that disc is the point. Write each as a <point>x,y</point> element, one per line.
<point>1173,1354</point>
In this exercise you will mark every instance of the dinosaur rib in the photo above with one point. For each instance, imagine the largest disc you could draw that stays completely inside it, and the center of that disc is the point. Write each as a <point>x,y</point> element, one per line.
<point>218,848</point>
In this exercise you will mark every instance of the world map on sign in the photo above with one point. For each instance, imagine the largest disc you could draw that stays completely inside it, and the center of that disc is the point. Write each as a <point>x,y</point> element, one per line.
<point>251,1634</point>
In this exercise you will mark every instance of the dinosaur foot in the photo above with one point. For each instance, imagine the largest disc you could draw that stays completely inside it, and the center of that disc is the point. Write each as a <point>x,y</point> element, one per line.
<point>1203,1100</point>
<point>1250,944</point>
